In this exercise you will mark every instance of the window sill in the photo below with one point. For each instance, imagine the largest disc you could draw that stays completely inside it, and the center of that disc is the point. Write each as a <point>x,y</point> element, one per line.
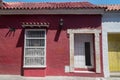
<point>84,72</point>
<point>34,66</point>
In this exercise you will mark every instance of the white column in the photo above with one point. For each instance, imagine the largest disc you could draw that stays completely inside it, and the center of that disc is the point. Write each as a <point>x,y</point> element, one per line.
<point>97,53</point>
<point>71,52</point>
<point>105,54</point>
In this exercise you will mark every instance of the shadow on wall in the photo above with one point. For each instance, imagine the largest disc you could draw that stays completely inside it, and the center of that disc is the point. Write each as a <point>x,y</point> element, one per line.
<point>57,35</point>
<point>20,43</point>
<point>11,32</point>
<point>111,17</point>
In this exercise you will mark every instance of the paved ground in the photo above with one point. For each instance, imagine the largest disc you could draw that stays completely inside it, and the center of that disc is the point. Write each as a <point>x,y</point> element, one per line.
<point>16,77</point>
<point>9,77</point>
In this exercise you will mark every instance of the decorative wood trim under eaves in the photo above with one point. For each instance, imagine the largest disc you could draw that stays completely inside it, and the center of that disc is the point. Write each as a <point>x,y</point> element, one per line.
<point>35,24</point>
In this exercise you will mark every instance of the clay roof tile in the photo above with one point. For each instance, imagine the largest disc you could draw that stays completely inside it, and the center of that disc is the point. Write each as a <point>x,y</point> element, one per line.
<point>48,5</point>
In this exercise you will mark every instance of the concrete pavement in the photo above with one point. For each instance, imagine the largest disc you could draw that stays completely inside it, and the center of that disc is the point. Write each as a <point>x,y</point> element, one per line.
<point>17,77</point>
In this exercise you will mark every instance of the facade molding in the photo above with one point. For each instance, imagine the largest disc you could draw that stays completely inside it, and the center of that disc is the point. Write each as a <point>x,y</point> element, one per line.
<point>97,52</point>
<point>106,30</point>
<point>83,31</point>
<point>53,11</point>
<point>71,52</point>
<point>96,32</point>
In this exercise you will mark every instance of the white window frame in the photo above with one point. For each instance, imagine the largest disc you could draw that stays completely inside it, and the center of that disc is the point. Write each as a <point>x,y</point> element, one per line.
<point>96,33</point>
<point>34,66</point>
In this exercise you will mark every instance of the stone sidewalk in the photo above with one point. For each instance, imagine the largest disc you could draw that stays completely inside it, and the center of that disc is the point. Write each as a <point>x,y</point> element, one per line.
<point>16,77</point>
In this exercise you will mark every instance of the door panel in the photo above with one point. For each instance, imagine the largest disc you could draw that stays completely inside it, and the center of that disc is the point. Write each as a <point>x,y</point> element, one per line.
<point>87,54</point>
<point>83,42</point>
<point>114,52</point>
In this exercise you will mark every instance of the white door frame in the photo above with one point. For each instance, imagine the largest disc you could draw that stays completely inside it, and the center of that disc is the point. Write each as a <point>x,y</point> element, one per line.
<point>96,32</point>
<point>107,28</point>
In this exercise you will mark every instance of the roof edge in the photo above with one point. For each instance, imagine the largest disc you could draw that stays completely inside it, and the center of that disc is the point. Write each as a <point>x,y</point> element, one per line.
<point>49,5</point>
<point>111,7</point>
<point>55,12</point>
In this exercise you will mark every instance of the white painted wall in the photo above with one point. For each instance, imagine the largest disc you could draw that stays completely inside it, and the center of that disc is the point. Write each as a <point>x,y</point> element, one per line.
<point>79,45</point>
<point>110,24</point>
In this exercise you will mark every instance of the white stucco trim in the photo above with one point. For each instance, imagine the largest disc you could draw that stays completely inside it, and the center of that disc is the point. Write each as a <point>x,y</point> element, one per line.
<point>96,32</point>
<point>71,52</point>
<point>106,30</point>
<point>105,54</point>
<point>97,52</point>
<point>50,11</point>
<point>83,31</point>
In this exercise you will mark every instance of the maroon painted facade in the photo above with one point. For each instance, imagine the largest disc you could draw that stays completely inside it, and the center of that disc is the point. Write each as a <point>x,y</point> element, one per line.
<point>57,43</point>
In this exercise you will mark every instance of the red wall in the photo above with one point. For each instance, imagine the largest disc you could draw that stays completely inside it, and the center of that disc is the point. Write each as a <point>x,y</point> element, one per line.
<point>57,47</point>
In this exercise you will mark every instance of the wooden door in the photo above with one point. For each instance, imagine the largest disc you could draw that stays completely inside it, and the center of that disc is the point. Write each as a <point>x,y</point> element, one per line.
<point>114,52</point>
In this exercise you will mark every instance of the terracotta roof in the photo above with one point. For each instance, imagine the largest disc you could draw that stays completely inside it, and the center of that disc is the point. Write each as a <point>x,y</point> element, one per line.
<point>115,7</point>
<point>49,5</point>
